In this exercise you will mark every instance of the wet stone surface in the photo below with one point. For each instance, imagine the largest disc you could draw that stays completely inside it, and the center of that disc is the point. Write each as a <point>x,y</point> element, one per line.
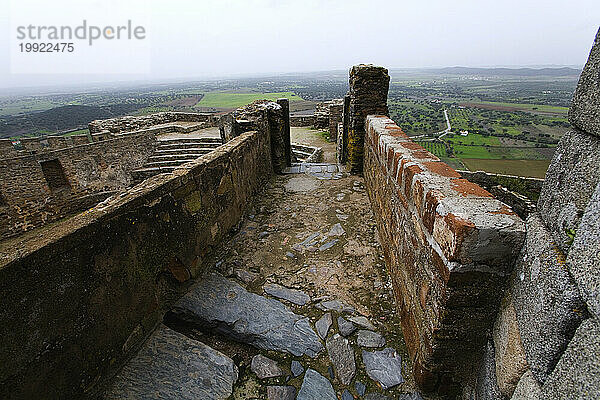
<point>305,251</point>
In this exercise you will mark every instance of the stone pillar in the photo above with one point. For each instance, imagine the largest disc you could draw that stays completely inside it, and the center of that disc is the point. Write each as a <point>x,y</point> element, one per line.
<point>368,96</point>
<point>228,128</point>
<point>285,109</point>
<point>342,147</point>
<point>335,116</point>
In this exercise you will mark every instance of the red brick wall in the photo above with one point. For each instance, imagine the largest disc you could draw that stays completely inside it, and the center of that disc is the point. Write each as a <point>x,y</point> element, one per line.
<point>449,247</point>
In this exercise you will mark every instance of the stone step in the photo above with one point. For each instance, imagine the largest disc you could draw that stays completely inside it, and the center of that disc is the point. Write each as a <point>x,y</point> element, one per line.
<point>188,150</point>
<point>185,157</point>
<point>219,305</point>
<point>188,145</point>
<point>169,163</point>
<point>173,366</point>
<point>211,140</point>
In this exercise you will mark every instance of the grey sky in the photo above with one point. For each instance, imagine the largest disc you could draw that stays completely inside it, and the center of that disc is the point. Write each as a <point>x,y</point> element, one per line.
<point>208,38</point>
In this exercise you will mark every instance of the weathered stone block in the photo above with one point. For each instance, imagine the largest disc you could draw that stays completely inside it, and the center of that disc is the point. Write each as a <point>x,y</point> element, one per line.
<point>577,374</point>
<point>161,369</point>
<point>510,354</point>
<point>570,181</point>
<point>585,107</point>
<point>528,388</point>
<point>584,257</point>
<point>547,303</point>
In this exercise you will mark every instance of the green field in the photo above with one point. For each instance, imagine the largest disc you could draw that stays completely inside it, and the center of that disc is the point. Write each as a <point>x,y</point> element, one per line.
<point>532,168</point>
<point>436,148</point>
<point>235,100</point>
<point>496,153</point>
<point>473,139</point>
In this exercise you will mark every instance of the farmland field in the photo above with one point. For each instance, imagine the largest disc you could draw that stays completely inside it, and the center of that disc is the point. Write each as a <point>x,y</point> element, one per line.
<point>531,168</point>
<point>234,100</point>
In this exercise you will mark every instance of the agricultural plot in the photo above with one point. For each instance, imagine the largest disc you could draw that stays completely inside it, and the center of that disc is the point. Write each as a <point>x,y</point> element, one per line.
<point>235,100</point>
<point>531,168</point>
<point>435,148</point>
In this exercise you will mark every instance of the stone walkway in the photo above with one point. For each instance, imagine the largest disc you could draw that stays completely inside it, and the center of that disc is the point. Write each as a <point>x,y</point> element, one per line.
<point>298,305</point>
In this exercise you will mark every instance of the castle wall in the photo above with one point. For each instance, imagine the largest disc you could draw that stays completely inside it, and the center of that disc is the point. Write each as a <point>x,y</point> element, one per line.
<point>449,248</point>
<point>131,123</point>
<point>77,300</point>
<point>45,186</point>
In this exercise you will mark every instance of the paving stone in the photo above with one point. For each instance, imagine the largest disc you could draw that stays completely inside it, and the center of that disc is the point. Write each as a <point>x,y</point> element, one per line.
<point>570,182</point>
<point>294,296</point>
<point>342,356</point>
<point>360,388</point>
<point>217,304</point>
<point>346,327</point>
<point>346,395</point>
<point>362,321</point>
<point>315,387</point>
<point>296,368</point>
<point>281,393</point>
<point>335,305</point>
<point>336,230</point>
<point>328,245</point>
<point>323,325</point>
<point>264,367</point>
<point>384,366</point>
<point>510,358</point>
<point>546,300</point>
<point>369,339</point>
<point>583,260</point>
<point>527,388</point>
<point>584,112</point>
<point>577,374</point>
<point>162,369</point>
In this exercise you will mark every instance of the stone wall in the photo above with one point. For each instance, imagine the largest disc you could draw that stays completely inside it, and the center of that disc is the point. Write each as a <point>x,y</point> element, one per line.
<point>546,339</point>
<point>77,300</point>
<point>302,120</point>
<point>131,123</point>
<point>335,117</point>
<point>368,96</point>
<point>449,248</point>
<point>45,186</point>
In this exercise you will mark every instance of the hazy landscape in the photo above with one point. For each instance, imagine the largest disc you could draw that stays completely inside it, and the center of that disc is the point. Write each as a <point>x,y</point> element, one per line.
<point>510,119</point>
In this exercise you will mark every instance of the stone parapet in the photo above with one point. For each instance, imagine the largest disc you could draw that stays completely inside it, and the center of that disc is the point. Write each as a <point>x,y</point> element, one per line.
<point>449,248</point>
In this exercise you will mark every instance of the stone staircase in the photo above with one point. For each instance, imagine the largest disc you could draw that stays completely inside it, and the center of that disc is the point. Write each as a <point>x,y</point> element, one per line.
<point>171,153</point>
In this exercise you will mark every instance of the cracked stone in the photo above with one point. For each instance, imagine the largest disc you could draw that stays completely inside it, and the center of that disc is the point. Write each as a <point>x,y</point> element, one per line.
<point>323,325</point>
<point>342,357</point>
<point>161,369</point>
<point>384,366</point>
<point>294,296</point>
<point>217,304</point>
<point>264,367</point>
<point>370,339</point>
<point>346,327</point>
<point>316,387</point>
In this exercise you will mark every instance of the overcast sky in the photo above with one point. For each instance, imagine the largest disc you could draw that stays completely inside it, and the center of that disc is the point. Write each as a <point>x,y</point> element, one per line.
<point>211,38</point>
